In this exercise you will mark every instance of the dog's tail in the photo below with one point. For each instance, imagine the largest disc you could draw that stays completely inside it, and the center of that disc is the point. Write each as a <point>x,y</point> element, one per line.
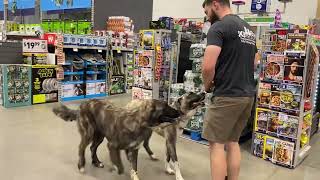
<point>65,113</point>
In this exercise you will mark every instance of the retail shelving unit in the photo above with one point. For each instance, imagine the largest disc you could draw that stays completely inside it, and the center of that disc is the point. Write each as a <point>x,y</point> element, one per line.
<point>285,97</point>
<point>85,70</point>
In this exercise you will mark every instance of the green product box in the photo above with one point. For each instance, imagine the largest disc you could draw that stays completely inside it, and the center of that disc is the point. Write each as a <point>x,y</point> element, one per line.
<point>84,27</point>
<point>57,27</point>
<point>70,27</point>
<point>45,26</point>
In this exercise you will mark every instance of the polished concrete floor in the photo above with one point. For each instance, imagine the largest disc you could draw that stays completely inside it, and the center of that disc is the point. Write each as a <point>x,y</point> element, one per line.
<point>35,145</point>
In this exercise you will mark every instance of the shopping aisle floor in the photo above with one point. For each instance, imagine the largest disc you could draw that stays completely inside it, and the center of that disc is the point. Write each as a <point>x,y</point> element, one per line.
<point>36,145</point>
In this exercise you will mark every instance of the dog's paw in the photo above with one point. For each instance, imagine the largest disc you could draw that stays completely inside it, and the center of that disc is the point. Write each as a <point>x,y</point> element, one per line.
<point>98,164</point>
<point>114,168</point>
<point>179,178</point>
<point>154,157</point>
<point>134,175</point>
<point>81,170</point>
<point>169,170</point>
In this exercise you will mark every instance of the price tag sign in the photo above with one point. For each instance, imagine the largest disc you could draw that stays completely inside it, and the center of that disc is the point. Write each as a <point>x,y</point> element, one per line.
<point>34,46</point>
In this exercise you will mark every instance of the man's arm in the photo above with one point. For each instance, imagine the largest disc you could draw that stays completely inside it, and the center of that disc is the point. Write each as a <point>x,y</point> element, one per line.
<point>209,65</point>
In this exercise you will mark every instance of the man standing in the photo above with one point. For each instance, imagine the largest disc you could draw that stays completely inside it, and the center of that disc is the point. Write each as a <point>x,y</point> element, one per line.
<point>228,73</point>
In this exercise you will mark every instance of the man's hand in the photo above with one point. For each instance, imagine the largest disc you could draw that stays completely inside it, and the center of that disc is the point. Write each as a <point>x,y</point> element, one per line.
<point>209,66</point>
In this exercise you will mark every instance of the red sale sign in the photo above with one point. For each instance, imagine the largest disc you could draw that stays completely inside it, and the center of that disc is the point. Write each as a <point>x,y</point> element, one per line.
<point>51,38</point>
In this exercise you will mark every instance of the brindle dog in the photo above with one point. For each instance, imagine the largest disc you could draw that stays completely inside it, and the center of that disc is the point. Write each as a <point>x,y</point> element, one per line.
<point>124,128</point>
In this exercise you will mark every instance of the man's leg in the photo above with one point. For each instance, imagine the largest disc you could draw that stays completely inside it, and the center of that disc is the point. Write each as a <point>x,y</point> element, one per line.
<point>218,161</point>
<point>233,160</point>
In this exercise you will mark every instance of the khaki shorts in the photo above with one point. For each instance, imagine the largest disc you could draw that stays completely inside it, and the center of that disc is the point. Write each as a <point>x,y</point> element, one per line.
<point>226,118</point>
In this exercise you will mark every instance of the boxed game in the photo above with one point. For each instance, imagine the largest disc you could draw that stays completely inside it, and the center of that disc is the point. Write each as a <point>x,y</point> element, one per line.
<point>275,67</point>
<point>262,118</point>
<point>268,148</point>
<point>296,41</point>
<point>44,84</point>
<point>293,70</point>
<point>283,153</point>
<point>258,144</point>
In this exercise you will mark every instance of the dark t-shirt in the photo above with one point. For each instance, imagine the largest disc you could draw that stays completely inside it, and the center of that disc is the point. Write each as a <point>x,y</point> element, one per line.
<point>234,76</point>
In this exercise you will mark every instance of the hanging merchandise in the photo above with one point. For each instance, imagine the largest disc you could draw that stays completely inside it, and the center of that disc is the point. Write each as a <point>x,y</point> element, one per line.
<point>284,104</point>
<point>260,6</point>
<point>154,65</point>
<point>16,85</point>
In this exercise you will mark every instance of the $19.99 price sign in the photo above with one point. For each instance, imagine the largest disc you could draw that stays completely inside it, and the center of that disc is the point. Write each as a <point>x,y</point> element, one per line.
<point>34,46</point>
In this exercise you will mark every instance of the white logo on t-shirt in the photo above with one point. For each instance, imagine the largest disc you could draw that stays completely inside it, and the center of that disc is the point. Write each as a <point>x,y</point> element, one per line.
<point>247,36</point>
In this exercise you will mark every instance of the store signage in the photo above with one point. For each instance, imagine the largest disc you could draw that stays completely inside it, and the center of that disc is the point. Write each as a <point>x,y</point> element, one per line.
<point>51,38</point>
<point>258,6</point>
<point>34,46</point>
<point>260,21</point>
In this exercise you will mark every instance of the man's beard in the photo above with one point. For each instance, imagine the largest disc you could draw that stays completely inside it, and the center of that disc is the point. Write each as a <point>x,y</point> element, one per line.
<point>214,17</point>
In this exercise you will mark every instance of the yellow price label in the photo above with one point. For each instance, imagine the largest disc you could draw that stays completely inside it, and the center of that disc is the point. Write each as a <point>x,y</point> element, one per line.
<point>40,98</point>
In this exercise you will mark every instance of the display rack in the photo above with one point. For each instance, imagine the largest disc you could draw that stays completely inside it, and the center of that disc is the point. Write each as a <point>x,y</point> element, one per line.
<point>153,72</point>
<point>285,97</point>
<point>16,85</point>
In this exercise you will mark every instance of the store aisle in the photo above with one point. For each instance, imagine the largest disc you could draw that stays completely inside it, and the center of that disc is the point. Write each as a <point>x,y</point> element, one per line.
<point>34,145</point>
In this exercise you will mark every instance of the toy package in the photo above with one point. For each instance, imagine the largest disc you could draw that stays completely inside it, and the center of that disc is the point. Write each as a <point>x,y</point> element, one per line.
<point>296,41</point>
<point>145,58</point>
<point>146,75</point>
<point>197,51</point>
<point>147,39</point>
<point>146,94</point>
<point>136,93</point>
<point>258,144</point>
<point>262,118</point>
<point>275,67</point>
<point>283,153</point>
<point>72,90</point>
<point>117,85</point>
<point>196,65</point>
<point>268,148</point>
<point>44,84</point>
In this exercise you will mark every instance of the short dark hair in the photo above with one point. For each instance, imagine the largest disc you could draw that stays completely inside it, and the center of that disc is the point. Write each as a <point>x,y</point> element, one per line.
<point>222,2</point>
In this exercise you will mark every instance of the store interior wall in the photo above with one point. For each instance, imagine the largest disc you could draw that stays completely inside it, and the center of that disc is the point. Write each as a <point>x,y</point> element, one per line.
<point>140,11</point>
<point>298,11</point>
